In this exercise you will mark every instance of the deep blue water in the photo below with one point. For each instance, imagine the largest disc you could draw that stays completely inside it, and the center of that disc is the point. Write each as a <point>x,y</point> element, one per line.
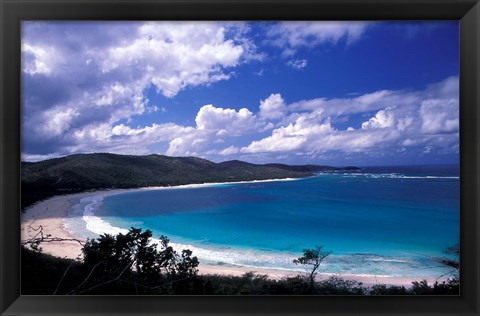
<point>382,221</point>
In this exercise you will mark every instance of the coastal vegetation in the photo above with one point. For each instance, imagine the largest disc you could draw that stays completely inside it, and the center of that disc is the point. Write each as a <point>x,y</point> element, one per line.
<point>83,172</point>
<point>131,264</point>
<point>313,258</point>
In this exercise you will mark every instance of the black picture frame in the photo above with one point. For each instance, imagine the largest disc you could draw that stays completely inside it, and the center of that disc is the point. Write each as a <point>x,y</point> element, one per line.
<point>467,12</point>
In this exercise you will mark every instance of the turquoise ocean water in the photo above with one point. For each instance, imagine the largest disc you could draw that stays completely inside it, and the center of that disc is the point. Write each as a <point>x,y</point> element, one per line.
<point>388,221</point>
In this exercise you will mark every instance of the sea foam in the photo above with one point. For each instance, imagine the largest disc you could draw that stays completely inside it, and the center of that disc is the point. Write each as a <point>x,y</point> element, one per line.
<point>346,264</point>
<point>245,258</point>
<point>385,175</point>
<point>94,223</point>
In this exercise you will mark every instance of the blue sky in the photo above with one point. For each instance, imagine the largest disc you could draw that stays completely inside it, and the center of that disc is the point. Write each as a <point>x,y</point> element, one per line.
<point>361,93</point>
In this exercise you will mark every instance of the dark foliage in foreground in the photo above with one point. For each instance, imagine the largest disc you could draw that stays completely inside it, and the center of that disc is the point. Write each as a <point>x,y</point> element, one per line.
<point>131,260</point>
<point>129,264</point>
<point>77,173</point>
<point>122,264</point>
<point>41,275</point>
<point>257,284</point>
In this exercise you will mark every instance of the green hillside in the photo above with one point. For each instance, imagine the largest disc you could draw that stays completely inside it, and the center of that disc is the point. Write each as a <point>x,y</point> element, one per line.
<point>77,173</point>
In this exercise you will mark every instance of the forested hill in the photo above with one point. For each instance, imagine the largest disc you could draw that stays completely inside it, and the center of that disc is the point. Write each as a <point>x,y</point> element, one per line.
<point>83,172</point>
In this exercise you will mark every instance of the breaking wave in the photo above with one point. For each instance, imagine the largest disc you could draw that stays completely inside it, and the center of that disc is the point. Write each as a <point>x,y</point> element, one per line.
<point>350,264</point>
<point>385,175</point>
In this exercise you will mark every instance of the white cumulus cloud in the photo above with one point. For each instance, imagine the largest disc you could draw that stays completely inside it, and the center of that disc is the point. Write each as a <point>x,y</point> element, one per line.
<point>80,79</point>
<point>173,55</point>
<point>383,119</point>
<point>273,107</point>
<point>292,35</point>
<point>439,116</point>
<point>226,121</point>
<point>402,118</point>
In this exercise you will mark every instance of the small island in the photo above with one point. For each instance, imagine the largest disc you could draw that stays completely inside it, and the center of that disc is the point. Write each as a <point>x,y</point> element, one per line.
<point>239,158</point>
<point>52,188</point>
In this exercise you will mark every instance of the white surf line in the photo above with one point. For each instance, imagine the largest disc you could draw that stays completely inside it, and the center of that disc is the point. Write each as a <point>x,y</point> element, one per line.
<point>208,184</point>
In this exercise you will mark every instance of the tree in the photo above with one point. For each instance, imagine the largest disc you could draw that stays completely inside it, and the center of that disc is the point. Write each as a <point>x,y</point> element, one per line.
<point>132,258</point>
<point>312,257</point>
<point>383,289</point>
<point>453,261</point>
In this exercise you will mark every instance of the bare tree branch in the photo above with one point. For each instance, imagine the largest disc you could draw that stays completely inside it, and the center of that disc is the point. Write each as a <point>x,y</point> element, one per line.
<point>40,237</point>
<point>65,273</point>
<point>86,279</point>
<point>106,282</point>
<point>154,287</point>
<point>49,239</point>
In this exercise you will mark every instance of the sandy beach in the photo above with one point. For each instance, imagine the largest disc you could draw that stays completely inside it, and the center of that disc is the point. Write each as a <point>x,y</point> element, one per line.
<point>279,274</point>
<point>49,214</point>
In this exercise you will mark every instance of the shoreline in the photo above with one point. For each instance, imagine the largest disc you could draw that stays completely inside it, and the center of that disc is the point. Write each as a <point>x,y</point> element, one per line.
<point>49,214</point>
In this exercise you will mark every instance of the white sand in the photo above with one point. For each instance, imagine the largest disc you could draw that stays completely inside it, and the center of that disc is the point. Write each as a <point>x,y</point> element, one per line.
<point>279,274</point>
<point>49,215</point>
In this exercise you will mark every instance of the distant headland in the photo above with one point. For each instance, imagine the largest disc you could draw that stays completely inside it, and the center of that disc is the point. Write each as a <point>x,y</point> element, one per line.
<point>83,172</point>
